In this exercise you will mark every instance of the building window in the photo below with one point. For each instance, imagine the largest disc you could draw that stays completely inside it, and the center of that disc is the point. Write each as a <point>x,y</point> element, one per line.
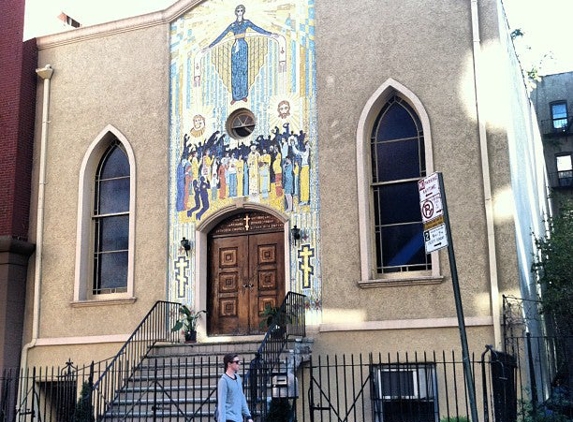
<point>405,392</point>
<point>559,115</point>
<point>398,162</point>
<point>393,143</point>
<point>106,225</point>
<point>111,222</point>
<point>564,169</point>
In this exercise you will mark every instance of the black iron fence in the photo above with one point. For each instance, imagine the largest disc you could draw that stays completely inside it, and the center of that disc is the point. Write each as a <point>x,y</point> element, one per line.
<point>156,326</point>
<point>426,387</point>
<point>545,353</point>
<point>45,393</point>
<point>419,387</point>
<point>289,321</point>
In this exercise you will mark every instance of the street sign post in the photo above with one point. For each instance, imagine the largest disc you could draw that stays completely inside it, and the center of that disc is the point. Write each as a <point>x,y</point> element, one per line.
<point>437,235</point>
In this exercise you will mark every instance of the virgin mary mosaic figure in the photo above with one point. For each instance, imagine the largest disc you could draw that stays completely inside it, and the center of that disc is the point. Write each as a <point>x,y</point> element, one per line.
<point>240,53</point>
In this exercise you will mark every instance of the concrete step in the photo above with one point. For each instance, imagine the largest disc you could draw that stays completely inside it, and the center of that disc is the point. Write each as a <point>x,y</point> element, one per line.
<point>179,381</point>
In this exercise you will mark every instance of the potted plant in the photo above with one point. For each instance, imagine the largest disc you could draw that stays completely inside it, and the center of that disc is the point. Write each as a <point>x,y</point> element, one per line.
<point>187,323</point>
<point>276,319</point>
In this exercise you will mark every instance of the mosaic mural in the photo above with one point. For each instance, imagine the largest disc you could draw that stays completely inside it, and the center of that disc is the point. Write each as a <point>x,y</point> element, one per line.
<point>243,127</point>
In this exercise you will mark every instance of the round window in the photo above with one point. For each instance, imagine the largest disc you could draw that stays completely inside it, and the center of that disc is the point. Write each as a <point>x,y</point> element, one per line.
<point>241,123</point>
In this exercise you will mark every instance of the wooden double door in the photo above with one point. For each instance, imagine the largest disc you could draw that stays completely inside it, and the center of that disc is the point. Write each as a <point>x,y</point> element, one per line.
<point>246,272</point>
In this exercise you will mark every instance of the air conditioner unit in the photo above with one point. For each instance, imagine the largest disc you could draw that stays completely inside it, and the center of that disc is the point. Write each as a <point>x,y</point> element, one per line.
<point>406,382</point>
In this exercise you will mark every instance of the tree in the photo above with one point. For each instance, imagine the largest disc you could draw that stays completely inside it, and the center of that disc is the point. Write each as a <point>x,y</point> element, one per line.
<point>554,268</point>
<point>84,409</point>
<point>532,64</point>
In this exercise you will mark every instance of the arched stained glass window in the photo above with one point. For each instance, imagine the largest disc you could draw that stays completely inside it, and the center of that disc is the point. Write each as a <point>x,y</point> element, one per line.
<point>111,221</point>
<point>398,162</point>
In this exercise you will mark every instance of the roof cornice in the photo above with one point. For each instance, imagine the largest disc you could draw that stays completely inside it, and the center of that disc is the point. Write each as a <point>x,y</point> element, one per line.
<point>134,23</point>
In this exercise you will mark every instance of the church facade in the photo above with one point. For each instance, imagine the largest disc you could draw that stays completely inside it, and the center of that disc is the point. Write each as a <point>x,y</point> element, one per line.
<point>221,155</point>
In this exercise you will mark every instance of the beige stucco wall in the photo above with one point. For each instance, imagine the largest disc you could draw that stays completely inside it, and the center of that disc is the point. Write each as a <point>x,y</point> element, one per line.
<point>120,77</point>
<point>393,341</point>
<point>431,54</point>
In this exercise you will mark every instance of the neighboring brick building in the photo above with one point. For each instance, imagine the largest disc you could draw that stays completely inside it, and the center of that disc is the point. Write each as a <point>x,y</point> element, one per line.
<point>553,101</point>
<point>17,109</point>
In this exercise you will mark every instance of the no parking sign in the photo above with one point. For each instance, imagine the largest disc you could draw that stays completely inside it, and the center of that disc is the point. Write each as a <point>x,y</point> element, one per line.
<point>435,234</point>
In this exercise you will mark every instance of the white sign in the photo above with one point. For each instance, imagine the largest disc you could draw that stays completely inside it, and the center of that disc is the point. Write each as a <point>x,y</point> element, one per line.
<point>430,198</point>
<point>431,208</point>
<point>429,186</point>
<point>436,238</point>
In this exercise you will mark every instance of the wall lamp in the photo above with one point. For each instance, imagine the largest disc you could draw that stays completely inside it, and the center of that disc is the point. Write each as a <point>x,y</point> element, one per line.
<point>186,244</point>
<point>295,233</point>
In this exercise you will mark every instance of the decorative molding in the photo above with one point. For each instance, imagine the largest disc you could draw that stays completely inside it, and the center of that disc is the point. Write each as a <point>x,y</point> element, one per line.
<point>406,324</point>
<point>400,282</point>
<point>61,341</point>
<point>103,302</point>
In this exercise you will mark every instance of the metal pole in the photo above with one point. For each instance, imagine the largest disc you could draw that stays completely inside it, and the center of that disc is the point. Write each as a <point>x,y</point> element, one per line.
<point>532,380</point>
<point>459,308</point>
<point>484,385</point>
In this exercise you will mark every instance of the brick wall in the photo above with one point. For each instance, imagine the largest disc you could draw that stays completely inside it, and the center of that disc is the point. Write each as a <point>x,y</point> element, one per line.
<point>17,108</point>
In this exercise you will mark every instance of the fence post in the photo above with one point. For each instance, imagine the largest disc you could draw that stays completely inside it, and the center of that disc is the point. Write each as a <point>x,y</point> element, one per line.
<point>532,380</point>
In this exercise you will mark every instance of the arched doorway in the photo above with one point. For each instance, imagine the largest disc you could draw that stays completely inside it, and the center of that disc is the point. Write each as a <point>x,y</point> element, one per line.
<point>246,271</point>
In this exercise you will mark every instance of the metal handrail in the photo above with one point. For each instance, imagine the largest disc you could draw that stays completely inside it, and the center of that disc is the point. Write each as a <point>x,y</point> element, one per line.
<point>290,321</point>
<point>155,326</point>
<point>561,179</point>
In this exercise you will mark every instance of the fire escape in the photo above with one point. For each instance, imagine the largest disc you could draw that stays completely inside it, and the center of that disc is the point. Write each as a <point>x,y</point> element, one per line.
<point>558,132</point>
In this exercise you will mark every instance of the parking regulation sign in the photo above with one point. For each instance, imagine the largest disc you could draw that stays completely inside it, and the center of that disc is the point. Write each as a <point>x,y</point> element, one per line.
<point>432,210</point>
<point>435,238</point>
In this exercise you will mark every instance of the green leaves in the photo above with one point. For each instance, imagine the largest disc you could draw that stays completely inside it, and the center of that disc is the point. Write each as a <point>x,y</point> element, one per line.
<point>553,265</point>
<point>188,319</point>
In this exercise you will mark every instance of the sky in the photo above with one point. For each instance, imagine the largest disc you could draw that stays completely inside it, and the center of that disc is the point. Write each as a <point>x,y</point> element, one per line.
<point>544,23</point>
<point>41,14</point>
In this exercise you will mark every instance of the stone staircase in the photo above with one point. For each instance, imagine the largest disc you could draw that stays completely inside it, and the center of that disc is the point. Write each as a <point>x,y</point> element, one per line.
<point>178,382</point>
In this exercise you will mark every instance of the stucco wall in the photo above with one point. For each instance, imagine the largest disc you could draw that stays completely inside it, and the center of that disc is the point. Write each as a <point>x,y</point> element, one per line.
<point>431,54</point>
<point>120,79</point>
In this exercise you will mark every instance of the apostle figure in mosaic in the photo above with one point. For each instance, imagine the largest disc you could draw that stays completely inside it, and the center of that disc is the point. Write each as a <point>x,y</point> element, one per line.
<point>304,155</point>
<point>253,171</point>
